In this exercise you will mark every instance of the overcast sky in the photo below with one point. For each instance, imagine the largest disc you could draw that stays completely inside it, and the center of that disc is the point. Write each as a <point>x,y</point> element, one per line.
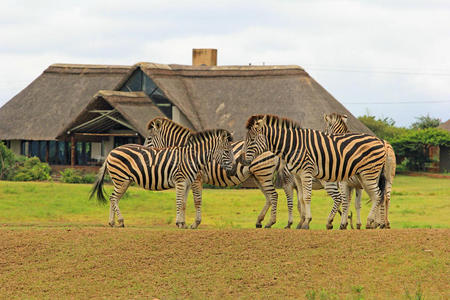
<point>388,58</point>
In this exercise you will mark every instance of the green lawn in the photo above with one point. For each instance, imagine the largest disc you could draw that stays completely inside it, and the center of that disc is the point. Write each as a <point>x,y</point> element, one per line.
<point>417,202</point>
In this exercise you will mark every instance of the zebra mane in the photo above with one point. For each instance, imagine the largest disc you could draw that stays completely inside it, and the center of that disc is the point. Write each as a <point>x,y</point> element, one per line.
<point>208,134</point>
<point>167,121</point>
<point>273,121</point>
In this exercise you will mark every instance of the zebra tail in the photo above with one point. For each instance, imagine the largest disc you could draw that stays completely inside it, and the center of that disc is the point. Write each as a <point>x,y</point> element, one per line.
<point>382,185</point>
<point>98,185</point>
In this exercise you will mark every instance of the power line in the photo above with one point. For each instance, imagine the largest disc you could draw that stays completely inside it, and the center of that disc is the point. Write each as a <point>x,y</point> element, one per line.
<point>398,102</point>
<point>378,72</point>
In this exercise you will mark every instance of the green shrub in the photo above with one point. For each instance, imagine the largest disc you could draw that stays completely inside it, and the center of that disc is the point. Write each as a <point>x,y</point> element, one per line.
<point>76,176</point>
<point>32,169</point>
<point>7,162</point>
<point>20,168</point>
<point>413,145</point>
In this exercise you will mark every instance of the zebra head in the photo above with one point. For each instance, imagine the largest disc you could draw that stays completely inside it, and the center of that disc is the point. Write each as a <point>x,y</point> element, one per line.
<point>154,136</point>
<point>223,152</point>
<point>335,123</point>
<point>255,142</point>
<point>163,132</point>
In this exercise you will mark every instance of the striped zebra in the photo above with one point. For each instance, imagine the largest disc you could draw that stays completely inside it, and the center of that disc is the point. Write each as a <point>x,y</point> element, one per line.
<point>313,154</point>
<point>160,169</point>
<point>337,124</point>
<point>163,132</point>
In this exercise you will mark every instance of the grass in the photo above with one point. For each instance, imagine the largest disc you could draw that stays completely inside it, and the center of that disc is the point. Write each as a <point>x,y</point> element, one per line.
<point>417,202</point>
<point>55,244</point>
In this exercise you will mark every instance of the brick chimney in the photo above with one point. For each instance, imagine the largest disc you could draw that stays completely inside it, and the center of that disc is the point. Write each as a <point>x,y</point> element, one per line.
<point>204,57</point>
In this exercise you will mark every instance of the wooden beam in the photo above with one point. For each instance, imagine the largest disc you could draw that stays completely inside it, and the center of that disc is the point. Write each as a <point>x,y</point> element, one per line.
<point>72,151</point>
<point>106,134</point>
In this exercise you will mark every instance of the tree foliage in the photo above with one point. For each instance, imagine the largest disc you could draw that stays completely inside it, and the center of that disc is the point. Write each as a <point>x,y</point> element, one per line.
<point>414,144</point>
<point>20,168</point>
<point>424,122</point>
<point>410,145</point>
<point>382,127</point>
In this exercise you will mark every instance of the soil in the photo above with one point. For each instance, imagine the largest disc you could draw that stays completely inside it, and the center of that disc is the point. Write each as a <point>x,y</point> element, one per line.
<point>250,264</point>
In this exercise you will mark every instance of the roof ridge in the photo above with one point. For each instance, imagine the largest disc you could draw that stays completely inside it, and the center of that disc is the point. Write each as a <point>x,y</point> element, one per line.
<point>120,93</point>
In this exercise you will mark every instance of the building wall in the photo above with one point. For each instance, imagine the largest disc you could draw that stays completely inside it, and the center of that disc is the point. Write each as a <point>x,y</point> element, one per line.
<point>180,118</point>
<point>96,151</point>
<point>15,146</point>
<point>444,159</point>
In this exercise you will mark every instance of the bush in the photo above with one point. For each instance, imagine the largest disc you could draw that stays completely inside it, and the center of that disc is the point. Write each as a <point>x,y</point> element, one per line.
<point>413,146</point>
<point>32,169</point>
<point>76,176</point>
<point>7,161</point>
<point>20,168</point>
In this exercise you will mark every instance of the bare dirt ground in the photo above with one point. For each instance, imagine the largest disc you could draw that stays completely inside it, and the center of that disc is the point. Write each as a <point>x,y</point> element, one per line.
<point>250,264</point>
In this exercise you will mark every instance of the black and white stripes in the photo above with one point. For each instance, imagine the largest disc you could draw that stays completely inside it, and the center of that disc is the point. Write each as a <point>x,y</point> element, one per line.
<point>159,169</point>
<point>313,154</point>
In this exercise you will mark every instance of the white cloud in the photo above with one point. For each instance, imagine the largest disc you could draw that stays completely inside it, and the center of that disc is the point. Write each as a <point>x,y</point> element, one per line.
<point>380,38</point>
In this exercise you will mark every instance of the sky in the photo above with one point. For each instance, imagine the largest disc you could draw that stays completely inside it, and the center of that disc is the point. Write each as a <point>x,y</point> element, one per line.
<point>390,59</point>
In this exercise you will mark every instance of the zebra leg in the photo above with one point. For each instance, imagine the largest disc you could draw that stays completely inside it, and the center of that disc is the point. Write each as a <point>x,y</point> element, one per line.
<point>371,188</point>
<point>306,179</point>
<point>387,202</point>
<point>358,194</point>
<point>119,190</point>
<point>346,191</point>
<point>265,184</point>
<point>288,187</point>
<point>197,193</point>
<point>333,191</point>
<point>181,194</point>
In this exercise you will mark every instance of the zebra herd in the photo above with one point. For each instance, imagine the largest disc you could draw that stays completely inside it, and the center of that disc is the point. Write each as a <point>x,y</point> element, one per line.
<point>304,159</point>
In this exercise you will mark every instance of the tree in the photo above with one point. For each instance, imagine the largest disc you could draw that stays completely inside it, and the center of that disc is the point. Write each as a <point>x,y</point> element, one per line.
<point>424,122</point>
<point>382,127</point>
<point>414,144</point>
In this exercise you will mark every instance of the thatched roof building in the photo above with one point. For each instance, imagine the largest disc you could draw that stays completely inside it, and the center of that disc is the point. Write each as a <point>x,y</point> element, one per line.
<point>110,105</point>
<point>51,101</point>
<point>111,111</point>
<point>225,96</point>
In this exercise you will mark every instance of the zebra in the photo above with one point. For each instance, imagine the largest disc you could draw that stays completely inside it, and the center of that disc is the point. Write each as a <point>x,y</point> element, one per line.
<point>163,168</point>
<point>312,154</point>
<point>163,132</point>
<point>337,124</point>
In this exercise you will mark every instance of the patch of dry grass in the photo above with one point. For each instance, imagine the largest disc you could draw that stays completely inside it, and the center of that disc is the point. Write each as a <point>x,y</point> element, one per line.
<point>237,263</point>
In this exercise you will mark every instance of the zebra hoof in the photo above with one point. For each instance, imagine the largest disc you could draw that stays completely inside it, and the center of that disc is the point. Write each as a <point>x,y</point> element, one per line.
<point>258,225</point>
<point>268,226</point>
<point>358,226</point>
<point>343,227</point>
<point>111,224</point>
<point>288,226</point>
<point>382,226</point>
<point>120,223</point>
<point>329,226</point>
<point>305,226</point>
<point>181,225</point>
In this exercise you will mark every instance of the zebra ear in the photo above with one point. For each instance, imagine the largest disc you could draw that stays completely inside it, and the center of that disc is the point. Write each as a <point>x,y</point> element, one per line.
<point>259,124</point>
<point>344,118</point>
<point>157,124</point>
<point>325,117</point>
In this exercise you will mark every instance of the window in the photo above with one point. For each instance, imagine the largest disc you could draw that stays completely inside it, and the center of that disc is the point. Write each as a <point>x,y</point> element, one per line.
<point>120,140</point>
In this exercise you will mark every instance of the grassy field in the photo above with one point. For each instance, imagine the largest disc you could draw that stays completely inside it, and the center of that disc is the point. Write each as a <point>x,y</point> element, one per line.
<point>54,243</point>
<point>417,202</point>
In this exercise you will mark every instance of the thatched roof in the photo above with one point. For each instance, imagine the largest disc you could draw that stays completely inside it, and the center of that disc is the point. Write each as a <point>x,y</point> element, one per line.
<point>445,125</point>
<point>134,108</point>
<point>225,96</point>
<point>210,97</point>
<point>46,106</point>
